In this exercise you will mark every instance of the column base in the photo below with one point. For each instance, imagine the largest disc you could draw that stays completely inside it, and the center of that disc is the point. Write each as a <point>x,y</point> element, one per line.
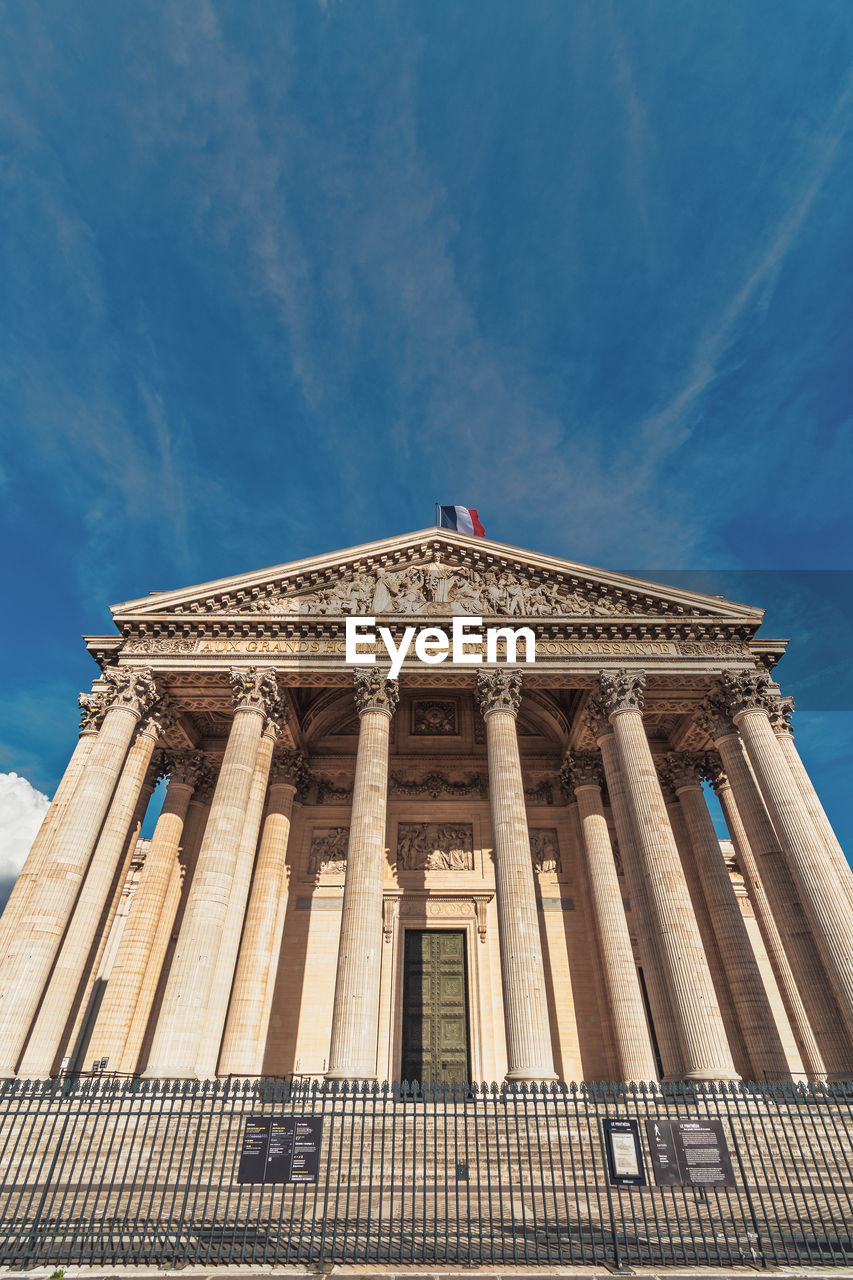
<point>707,1075</point>
<point>530,1075</point>
<point>370,1077</point>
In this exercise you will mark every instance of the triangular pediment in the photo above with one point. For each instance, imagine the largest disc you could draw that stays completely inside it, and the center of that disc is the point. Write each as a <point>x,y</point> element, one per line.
<point>435,573</point>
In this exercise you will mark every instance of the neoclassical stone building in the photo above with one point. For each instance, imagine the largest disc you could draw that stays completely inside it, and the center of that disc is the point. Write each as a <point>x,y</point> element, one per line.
<point>473,872</point>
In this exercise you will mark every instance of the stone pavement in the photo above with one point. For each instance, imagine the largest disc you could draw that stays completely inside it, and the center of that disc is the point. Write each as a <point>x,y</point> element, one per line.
<point>372,1272</point>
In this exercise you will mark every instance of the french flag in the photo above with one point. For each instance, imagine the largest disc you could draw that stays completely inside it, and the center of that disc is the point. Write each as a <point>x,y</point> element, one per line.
<point>462,519</point>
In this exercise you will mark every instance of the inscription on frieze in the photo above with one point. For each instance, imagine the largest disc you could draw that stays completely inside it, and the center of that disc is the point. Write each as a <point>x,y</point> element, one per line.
<point>435,846</point>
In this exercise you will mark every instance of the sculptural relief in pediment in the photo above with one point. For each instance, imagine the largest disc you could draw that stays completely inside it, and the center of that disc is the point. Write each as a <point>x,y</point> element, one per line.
<point>439,589</point>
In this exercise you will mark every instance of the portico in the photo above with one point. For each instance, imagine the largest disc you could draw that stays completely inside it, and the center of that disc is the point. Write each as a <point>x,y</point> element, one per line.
<point>502,868</point>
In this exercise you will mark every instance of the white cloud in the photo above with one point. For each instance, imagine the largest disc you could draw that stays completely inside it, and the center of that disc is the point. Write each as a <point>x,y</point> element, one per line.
<point>21,811</point>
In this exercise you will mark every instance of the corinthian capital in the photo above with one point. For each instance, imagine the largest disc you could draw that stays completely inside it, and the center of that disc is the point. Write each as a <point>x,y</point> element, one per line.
<point>290,767</point>
<point>780,711</point>
<point>715,773</point>
<point>375,692</point>
<point>131,687</point>
<point>683,769</point>
<point>93,708</point>
<point>499,691</point>
<point>714,719</point>
<point>159,720</point>
<point>183,767</point>
<point>581,769</point>
<point>597,720</point>
<point>622,690</point>
<point>254,689</point>
<point>746,691</point>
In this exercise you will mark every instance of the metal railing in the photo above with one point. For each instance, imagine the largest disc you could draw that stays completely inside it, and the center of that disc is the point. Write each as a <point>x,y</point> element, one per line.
<point>103,1171</point>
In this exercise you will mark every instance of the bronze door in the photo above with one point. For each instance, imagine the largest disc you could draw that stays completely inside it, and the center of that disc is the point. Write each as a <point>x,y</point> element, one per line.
<point>435,1007</point>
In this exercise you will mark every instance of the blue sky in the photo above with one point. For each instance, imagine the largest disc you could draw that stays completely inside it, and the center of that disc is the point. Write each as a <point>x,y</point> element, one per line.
<point>278,277</point>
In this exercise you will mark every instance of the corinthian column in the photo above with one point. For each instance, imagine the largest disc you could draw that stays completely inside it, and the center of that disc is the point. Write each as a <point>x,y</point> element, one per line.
<point>58,1005</point>
<point>220,992</point>
<point>355,1017</point>
<point>633,1045</point>
<point>177,1039</point>
<point>93,707</point>
<point>528,1031</point>
<point>133,957</point>
<point>694,1002</point>
<point>810,1056</point>
<point>780,711</point>
<point>32,951</point>
<point>746,694</point>
<point>246,1030</point>
<point>749,997</point>
<point>782,894</point>
<point>665,1030</point>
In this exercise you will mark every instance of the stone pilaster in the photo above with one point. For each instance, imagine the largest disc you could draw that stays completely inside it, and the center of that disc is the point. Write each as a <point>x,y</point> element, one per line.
<point>665,1030</point>
<point>811,1061</point>
<point>781,711</point>
<point>749,997</point>
<point>245,1039</point>
<point>632,1043</point>
<point>355,1016</point>
<point>32,951</point>
<point>180,1026</point>
<point>220,993</point>
<point>528,1032</point>
<point>782,893</point>
<point>134,954</point>
<point>694,1003</point>
<point>746,695</point>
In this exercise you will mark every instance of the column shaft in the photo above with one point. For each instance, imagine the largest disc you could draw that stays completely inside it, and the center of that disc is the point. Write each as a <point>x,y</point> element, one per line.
<point>528,1031</point>
<point>826,905</point>
<point>39,854</point>
<point>226,961</point>
<point>817,813</point>
<point>140,1035</point>
<point>59,1004</point>
<point>355,1017</point>
<point>665,1030</point>
<point>710,946</point>
<point>246,1030</point>
<point>134,955</point>
<point>755,1016</point>
<point>627,1013</point>
<point>95,985</point>
<point>180,1026</point>
<point>785,904</point>
<point>807,1046</point>
<point>701,1031</point>
<point>33,949</point>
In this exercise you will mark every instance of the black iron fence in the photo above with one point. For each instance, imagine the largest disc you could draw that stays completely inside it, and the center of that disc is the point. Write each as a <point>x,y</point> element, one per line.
<point>104,1171</point>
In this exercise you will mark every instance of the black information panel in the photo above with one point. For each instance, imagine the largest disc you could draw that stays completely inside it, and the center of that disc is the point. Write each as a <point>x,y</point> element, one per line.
<point>691,1152</point>
<point>624,1155</point>
<point>280,1149</point>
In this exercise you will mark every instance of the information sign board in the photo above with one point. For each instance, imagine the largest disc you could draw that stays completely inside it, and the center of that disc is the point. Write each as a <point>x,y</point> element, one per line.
<point>691,1152</point>
<point>624,1154</point>
<point>280,1149</point>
